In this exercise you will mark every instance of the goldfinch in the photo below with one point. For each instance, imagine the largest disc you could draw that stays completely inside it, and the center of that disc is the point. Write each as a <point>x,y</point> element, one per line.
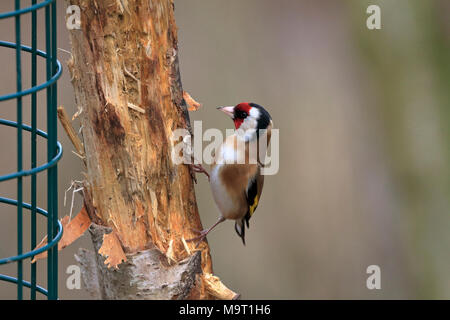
<point>236,180</point>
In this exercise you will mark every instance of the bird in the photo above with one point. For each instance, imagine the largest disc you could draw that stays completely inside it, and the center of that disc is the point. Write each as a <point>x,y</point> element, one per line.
<point>235,178</point>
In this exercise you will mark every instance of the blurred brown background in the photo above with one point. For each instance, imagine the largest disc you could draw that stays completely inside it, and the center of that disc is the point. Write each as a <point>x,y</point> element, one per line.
<point>364,143</point>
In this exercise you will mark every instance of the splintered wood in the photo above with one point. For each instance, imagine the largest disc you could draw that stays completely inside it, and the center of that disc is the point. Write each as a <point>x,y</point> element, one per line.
<point>191,103</point>
<point>73,229</point>
<point>112,250</point>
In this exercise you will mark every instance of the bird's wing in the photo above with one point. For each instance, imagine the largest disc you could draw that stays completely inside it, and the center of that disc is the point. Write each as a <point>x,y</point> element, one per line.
<point>253,194</point>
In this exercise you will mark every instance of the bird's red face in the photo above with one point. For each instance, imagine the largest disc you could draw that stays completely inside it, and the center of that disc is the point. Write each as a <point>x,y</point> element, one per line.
<point>241,112</point>
<point>248,116</point>
<point>238,113</point>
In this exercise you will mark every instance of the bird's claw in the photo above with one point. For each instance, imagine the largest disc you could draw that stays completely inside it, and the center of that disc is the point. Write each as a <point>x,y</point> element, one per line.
<point>199,238</point>
<point>196,230</point>
<point>198,168</point>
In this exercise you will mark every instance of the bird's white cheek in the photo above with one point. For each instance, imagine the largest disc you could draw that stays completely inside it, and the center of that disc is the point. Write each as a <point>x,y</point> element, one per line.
<point>254,113</point>
<point>248,129</point>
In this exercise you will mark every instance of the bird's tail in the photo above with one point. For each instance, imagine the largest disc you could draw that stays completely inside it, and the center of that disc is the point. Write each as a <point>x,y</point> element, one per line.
<point>239,226</point>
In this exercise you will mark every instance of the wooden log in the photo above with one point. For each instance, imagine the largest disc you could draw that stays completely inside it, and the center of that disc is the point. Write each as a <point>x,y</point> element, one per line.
<point>126,54</point>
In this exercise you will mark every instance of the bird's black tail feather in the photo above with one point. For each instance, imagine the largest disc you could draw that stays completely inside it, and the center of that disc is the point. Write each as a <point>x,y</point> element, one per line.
<point>239,226</point>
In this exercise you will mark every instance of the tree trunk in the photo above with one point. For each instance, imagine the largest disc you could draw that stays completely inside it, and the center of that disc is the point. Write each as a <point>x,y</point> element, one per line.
<point>126,78</point>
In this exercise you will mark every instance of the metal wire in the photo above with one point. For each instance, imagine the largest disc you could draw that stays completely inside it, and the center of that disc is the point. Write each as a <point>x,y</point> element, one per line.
<point>54,149</point>
<point>35,170</point>
<point>34,89</point>
<point>35,252</point>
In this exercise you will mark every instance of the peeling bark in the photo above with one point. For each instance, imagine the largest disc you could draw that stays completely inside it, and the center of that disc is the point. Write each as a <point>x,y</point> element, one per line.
<point>126,54</point>
<point>145,275</point>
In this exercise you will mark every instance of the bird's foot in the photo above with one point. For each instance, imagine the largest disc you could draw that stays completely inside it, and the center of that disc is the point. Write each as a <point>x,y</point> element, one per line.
<point>202,235</point>
<point>199,169</point>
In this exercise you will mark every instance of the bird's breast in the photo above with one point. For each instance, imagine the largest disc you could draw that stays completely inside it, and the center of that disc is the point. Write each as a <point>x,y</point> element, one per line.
<point>227,201</point>
<point>220,193</point>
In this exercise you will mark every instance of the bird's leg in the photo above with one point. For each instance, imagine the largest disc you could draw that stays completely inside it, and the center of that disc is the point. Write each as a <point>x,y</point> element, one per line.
<point>198,168</point>
<point>205,232</point>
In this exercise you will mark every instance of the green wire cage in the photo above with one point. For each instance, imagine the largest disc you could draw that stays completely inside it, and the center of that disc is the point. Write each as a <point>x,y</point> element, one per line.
<point>54,149</point>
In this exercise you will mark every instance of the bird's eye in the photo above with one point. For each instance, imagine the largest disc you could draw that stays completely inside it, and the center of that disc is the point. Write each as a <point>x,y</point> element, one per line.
<point>242,114</point>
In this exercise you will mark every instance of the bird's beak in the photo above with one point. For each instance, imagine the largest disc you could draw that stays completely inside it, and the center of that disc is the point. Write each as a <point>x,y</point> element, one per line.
<point>228,110</point>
